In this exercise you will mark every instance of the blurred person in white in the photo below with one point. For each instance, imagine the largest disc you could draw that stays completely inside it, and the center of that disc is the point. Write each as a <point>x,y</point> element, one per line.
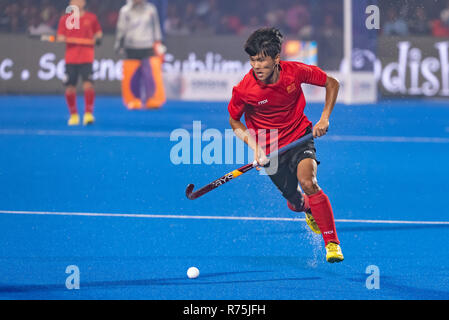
<point>138,29</point>
<point>39,21</point>
<point>139,37</point>
<point>37,27</point>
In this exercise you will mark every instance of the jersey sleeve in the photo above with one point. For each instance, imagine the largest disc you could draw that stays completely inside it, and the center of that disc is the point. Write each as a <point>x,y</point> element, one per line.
<point>236,106</point>
<point>61,26</point>
<point>311,75</point>
<point>156,24</point>
<point>96,25</point>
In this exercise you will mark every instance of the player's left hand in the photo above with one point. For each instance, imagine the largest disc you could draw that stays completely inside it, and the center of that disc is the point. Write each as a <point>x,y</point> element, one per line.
<point>99,41</point>
<point>160,50</point>
<point>320,129</point>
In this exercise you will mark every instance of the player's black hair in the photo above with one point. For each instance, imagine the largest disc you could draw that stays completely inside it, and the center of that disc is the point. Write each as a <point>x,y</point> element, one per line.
<point>267,41</point>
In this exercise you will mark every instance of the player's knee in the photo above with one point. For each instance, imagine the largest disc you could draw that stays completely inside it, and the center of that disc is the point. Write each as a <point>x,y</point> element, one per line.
<point>295,201</point>
<point>309,185</point>
<point>70,89</point>
<point>88,85</point>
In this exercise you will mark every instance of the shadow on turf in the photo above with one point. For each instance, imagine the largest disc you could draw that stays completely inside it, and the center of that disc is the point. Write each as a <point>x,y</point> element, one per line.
<point>391,228</point>
<point>149,282</point>
<point>402,290</point>
<point>369,228</point>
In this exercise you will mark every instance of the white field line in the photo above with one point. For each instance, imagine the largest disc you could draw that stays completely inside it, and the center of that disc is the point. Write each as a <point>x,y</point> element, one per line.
<point>191,217</point>
<point>388,139</point>
<point>166,134</point>
<point>84,133</point>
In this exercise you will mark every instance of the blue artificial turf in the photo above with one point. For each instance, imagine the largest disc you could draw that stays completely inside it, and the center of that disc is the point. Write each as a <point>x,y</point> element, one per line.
<point>121,165</point>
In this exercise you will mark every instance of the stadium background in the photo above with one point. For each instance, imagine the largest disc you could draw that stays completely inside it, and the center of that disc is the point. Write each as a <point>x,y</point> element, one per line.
<point>204,40</point>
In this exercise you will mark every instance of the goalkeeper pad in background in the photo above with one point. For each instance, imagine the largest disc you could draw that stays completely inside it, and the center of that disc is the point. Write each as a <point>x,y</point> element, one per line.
<point>142,84</point>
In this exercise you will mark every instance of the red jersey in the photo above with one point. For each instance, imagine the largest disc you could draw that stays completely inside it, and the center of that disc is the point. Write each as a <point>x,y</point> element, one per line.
<point>88,27</point>
<point>278,106</point>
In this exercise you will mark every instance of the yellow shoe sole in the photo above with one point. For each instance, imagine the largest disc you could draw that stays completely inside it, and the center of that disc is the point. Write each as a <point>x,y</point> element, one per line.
<point>335,259</point>
<point>333,253</point>
<point>312,223</point>
<point>88,119</point>
<point>134,105</point>
<point>74,120</point>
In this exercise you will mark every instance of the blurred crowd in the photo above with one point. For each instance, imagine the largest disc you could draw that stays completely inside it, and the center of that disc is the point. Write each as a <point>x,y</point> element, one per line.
<point>183,17</point>
<point>241,17</point>
<point>42,16</point>
<point>303,18</point>
<point>415,17</point>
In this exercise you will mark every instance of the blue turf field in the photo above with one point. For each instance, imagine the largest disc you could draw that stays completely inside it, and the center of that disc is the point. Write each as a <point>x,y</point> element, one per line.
<point>387,162</point>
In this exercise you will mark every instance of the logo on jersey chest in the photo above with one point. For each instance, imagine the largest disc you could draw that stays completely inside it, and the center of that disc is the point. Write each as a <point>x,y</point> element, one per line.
<point>262,102</point>
<point>291,88</point>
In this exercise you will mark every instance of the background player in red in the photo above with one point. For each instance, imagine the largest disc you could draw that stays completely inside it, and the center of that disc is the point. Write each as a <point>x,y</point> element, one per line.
<point>80,30</point>
<point>271,98</point>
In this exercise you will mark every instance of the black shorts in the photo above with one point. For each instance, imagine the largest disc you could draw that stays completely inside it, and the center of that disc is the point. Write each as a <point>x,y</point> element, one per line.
<point>74,71</point>
<point>139,54</point>
<point>285,178</point>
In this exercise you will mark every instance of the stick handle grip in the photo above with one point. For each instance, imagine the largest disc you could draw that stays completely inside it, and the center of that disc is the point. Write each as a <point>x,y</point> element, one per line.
<point>291,145</point>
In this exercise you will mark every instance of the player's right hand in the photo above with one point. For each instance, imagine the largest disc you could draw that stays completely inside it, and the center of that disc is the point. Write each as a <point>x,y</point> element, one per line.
<point>260,158</point>
<point>159,48</point>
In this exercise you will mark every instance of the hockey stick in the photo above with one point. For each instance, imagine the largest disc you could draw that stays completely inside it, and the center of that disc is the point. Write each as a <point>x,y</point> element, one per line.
<point>70,40</point>
<point>238,172</point>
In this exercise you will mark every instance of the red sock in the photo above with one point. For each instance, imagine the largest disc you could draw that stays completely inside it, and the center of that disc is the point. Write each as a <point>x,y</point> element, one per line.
<point>70,97</point>
<point>89,98</point>
<point>324,217</point>
<point>306,205</point>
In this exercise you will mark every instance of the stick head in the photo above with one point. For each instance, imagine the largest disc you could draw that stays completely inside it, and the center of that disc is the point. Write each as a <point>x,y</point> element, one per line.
<point>189,191</point>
